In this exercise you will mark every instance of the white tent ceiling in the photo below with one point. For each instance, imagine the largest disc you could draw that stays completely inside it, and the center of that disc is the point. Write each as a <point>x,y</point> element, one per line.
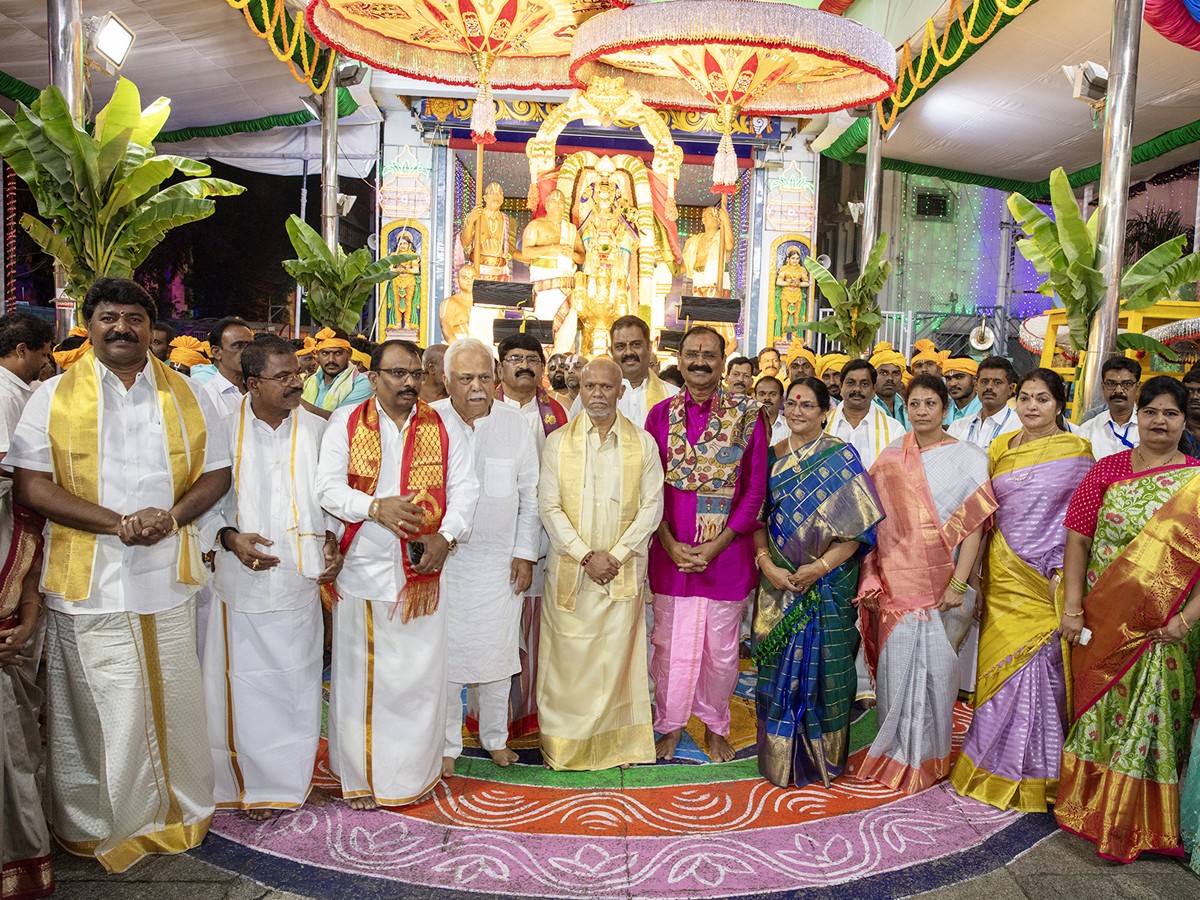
<point>1008,111</point>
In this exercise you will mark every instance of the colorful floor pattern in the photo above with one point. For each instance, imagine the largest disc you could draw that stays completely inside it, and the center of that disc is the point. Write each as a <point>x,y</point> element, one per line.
<point>686,829</point>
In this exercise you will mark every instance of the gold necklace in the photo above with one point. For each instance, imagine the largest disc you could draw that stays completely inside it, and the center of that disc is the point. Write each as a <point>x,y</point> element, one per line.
<point>796,450</point>
<point>1145,463</point>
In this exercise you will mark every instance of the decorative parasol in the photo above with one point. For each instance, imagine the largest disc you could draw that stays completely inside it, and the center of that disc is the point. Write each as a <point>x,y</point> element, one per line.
<point>502,43</point>
<point>735,56</point>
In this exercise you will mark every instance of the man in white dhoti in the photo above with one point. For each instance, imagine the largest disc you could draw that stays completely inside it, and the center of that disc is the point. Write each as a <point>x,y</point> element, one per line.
<point>601,497</point>
<point>120,455</point>
<point>487,576</point>
<point>274,547</point>
<point>25,343</point>
<point>404,485</point>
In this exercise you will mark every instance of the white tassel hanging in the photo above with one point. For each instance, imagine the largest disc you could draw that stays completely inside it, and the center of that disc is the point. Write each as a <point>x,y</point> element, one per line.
<point>483,116</point>
<point>725,167</point>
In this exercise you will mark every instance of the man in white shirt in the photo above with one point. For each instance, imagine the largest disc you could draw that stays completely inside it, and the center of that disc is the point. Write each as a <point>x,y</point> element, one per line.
<point>121,565</point>
<point>25,344</point>
<point>404,486</point>
<point>487,576</point>
<point>601,498</point>
<point>1115,428</point>
<point>226,341</point>
<point>769,394</point>
<point>857,420</point>
<point>739,375</point>
<point>996,380</point>
<point>632,350</point>
<point>274,547</point>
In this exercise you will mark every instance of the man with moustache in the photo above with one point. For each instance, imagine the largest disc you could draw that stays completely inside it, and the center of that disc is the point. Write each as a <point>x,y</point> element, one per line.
<point>768,361</point>
<point>739,375</point>
<point>633,351</point>
<point>769,395</point>
<point>600,496</point>
<point>572,371</point>
<point>404,486</point>
<point>160,344</point>
<point>959,373</point>
<point>857,420</point>
<point>556,372</point>
<point>889,379</point>
<point>274,547</point>
<point>1115,428</point>
<point>801,362</point>
<point>829,370</point>
<point>521,387</point>
<point>226,341</point>
<point>995,382</point>
<point>336,383</point>
<point>121,455</point>
<point>713,446</point>
<point>433,388</point>
<point>488,575</point>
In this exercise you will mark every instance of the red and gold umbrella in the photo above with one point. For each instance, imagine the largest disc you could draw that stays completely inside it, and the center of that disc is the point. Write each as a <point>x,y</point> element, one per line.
<point>486,43</point>
<point>735,56</point>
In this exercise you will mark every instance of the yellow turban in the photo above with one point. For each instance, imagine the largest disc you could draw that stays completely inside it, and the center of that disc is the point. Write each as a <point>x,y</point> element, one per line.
<point>885,355</point>
<point>188,351</point>
<point>77,331</point>
<point>327,339</point>
<point>835,361</point>
<point>928,351</point>
<point>906,378</point>
<point>310,346</point>
<point>797,350</point>
<point>961,364</point>
<point>357,356</point>
<point>67,358</point>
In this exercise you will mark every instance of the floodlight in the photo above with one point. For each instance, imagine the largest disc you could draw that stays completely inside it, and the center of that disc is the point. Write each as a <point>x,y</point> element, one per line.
<point>110,39</point>
<point>314,104</point>
<point>1089,82</point>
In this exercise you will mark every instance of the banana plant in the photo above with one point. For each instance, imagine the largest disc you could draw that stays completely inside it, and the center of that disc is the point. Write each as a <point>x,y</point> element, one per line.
<point>100,207</point>
<point>336,284</point>
<point>856,315</point>
<point>1063,249</point>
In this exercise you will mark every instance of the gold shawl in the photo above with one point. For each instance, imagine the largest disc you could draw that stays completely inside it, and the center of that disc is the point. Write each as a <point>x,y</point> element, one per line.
<point>655,392</point>
<point>564,572</point>
<point>74,433</point>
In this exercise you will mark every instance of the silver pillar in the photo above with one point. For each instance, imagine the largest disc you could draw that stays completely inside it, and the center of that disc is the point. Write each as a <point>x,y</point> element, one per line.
<point>64,31</point>
<point>1196,229</point>
<point>872,187</point>
<point>298,300</point>
<point>329,161</point>
<point>1003,284</point>
<point>1115,162</point>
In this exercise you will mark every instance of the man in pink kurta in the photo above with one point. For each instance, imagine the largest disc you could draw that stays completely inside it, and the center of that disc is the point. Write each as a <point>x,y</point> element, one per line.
<point>714,452</point>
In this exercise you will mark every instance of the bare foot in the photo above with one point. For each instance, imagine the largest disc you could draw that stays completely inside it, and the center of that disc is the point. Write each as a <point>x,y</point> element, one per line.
<point>664,747</point>
<point>447,766</point>
<point>719,749</point>
<point>259,815</point>
<point>317,797</point>
<point>503,757</point>
<point>367,802</point>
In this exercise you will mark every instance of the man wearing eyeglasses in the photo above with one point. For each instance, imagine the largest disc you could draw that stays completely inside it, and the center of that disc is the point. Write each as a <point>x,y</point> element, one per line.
<point>275,546</point>
<point>521,364</point>
<point>1115,428</point>
<point>404,486</point>
<point>489,575</point>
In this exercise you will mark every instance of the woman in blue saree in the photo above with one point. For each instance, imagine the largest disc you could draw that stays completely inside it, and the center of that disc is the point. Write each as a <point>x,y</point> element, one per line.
<point>821,513</point>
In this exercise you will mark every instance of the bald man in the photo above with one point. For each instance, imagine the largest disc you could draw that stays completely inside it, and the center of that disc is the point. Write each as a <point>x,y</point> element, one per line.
<point>600,498</point>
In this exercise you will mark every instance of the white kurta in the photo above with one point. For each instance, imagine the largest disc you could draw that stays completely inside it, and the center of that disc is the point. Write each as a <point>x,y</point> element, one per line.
<point>633,404</point>
<point>876,430</point>
<point>387,705</point>
<point>483,613</point>
<point>125,690</point>
<point>225,395</point>
<point>263,659</point>
<point>981,430</point>
<point>1107,437</point>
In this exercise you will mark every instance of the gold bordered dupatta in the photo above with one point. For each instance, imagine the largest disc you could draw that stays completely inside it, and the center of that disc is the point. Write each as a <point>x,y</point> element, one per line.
<point>74,432</point>
<point>564,572</point>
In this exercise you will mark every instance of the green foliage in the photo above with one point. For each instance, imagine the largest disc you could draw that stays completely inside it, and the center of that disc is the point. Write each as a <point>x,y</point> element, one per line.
<point>1063,249</point>
<point>100,207</point>
<point>336,284</point>
<point>856,315</point>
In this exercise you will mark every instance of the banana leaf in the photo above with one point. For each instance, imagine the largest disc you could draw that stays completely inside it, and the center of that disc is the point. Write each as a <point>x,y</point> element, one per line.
<point>1073,236</point>
<point>1131,341</point>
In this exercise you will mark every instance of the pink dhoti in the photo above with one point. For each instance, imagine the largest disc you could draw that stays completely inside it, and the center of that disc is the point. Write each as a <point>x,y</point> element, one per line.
<point>695,661</point>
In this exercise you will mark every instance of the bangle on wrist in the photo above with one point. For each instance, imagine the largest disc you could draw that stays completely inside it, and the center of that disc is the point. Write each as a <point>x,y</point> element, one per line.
<point>822,561</point>
<point>174,525</point>
<point>1183,619</point>
<point>759,555</point>
<point>1071,615</point>
<point>373,509</point>
<point>960,587</point>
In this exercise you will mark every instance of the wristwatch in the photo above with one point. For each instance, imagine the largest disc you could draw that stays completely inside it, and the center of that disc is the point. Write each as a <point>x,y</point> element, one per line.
<point>451,542</point>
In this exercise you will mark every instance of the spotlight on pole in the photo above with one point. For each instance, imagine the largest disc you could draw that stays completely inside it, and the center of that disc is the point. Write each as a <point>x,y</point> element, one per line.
<point>109,41</point>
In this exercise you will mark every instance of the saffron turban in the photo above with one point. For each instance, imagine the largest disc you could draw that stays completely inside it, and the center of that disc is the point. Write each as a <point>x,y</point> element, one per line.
<point>885,355</point>
<point>960,364</point>
<point>797,350</point>
<point>310,347</point>
<point>188,351</point>
<point>835,361</point>
<point>327,339</point>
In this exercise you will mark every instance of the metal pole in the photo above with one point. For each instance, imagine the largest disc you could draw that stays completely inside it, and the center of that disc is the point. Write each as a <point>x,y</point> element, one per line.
<point>1004,283</point>
<point>64,25</point>
<point>329,160</point>
<point>299,297</point>
<point>1196,229</point>
<point>1115,162</point>
<point>872,187</point>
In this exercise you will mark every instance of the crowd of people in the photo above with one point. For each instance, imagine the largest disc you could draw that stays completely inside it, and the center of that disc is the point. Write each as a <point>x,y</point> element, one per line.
<point>484,539</point>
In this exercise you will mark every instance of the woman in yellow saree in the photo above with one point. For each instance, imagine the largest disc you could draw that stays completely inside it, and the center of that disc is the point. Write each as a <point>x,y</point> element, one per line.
<point>1134,548</point>
<point>1011,755</point>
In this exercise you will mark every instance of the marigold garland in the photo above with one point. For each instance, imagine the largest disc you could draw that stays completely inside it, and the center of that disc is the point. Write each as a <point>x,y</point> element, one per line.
<point>289,40</point>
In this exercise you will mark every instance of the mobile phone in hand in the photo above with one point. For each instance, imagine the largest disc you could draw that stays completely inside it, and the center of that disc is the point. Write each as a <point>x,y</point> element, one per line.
<point>416,549</point>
